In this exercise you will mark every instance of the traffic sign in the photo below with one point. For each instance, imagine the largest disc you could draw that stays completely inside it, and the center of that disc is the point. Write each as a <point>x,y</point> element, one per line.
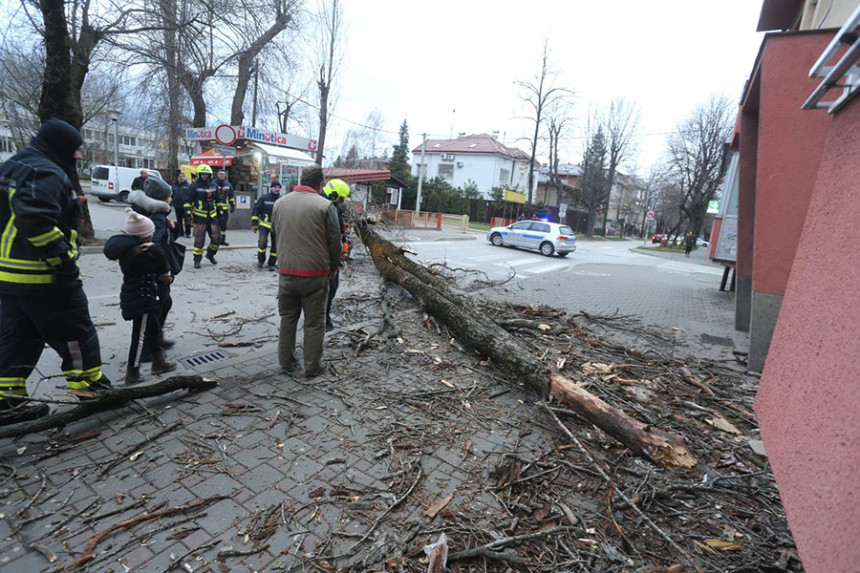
<point>650,214</point>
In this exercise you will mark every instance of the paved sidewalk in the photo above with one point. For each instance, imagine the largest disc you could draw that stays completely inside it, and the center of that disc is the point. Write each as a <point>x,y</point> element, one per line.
<point>306,467</point>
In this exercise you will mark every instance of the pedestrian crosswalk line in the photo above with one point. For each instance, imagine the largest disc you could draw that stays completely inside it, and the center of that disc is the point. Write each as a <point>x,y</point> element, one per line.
<point>518,262</point>
<point>545,269</point>
<point>490,257</point>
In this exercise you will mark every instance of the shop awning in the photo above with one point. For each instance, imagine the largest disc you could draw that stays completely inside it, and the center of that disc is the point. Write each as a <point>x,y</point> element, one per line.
<point>211,158</point>
<point>282,155</point>
<point>363,176</point>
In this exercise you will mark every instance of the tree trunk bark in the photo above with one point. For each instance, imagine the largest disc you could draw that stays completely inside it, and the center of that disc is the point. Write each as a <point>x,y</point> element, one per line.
<point>323,121</point>
<point>484,335</point>
<point>107,400</point>
<point>174,95</point>
<point>57,76</point>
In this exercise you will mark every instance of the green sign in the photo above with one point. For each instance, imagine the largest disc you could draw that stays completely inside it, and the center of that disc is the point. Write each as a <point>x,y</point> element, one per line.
<point>714,206</point>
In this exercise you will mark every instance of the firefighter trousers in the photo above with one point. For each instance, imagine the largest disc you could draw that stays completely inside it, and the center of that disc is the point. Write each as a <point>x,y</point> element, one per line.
<point>223,217</point>
<point>262,245</point>
<point>209,227</point>
<point>62,320</point>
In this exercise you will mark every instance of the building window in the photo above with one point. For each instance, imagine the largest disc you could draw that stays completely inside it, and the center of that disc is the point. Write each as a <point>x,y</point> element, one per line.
<point>504,176</point>
<point>127,140</point>
<point>446,170</point>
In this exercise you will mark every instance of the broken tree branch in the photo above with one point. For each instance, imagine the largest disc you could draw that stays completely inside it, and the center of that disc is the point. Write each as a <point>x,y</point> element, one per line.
<point>480,332</point>
<point>107,400</point>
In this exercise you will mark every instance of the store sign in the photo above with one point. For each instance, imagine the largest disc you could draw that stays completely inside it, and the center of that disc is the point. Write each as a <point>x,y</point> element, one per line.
<point>713,206</point>
<point>228,134</point>
<point>514,197</point>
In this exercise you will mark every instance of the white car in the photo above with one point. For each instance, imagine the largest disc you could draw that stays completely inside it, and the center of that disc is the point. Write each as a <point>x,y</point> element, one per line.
<point>548,238</point>
<point>109,182</point>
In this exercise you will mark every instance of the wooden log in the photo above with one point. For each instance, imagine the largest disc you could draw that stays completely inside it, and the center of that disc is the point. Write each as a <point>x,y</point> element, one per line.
<point>481,333</point>
<point>106,400</point>
<point>663,448</point>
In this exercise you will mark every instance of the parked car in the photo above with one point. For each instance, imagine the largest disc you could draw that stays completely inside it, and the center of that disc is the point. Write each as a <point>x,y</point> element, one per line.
<point>110,182</point>
<point>548,238</point>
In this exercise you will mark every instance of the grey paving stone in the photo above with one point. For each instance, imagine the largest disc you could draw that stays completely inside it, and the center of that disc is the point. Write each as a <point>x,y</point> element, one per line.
<point>303,468</point>
<point>261,478</point>
<point>221,517</point>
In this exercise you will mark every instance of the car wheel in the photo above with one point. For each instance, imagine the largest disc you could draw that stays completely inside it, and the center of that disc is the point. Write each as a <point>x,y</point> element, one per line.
<point>546,249</point>
<point>496,239</point>
<point>104,199</point>
<point>123,197</point>
<point>562,254</point>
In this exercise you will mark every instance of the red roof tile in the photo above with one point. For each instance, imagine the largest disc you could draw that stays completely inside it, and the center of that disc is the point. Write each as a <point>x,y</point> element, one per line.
<point>477,143</point>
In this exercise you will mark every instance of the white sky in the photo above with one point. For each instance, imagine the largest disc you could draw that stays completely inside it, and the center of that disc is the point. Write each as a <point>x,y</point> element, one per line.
<point>423,60</point>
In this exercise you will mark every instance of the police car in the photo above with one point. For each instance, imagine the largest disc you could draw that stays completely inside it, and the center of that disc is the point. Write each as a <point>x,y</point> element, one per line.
<point>548,238</point>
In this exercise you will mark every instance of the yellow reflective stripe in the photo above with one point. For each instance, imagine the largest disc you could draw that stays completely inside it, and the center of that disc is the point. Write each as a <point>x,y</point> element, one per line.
<point>26,279</point>
<point>25,265</point>
<point>82,385</point>
<point>73,241</point>
<point>259,250</point>
<point>266,225</point>
<point>54,261</point>
<point>92,370</point>
<point>45,238</point>
<point>10,231</point>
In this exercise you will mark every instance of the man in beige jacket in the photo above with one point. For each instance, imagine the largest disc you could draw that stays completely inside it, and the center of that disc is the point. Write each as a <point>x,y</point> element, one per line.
<point>309,247</point>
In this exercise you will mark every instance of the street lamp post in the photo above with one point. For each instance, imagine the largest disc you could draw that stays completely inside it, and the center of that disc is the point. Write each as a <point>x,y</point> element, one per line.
<point>114,116</point>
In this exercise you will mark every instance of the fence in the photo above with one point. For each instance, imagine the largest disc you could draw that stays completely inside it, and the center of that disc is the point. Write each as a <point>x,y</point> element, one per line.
<point>413,220</point>
<point>455,223</point>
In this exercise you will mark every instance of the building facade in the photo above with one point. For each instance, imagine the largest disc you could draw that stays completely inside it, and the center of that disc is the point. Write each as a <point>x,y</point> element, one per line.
<point>479,158</point>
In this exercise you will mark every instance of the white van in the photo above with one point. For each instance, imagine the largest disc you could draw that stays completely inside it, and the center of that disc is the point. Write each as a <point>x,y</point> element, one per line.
<point>109,182</point>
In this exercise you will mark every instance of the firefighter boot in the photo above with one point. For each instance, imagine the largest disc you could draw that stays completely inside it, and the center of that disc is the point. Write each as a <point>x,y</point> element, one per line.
<point>197,259</point>
<point>160,365</point>
<point>210,256</point>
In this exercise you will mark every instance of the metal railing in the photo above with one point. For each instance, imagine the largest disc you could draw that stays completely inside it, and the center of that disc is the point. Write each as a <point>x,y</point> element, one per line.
<point>846,68</point>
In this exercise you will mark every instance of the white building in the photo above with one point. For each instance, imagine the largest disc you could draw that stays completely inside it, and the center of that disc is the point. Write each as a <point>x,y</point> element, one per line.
<point>480,158</point>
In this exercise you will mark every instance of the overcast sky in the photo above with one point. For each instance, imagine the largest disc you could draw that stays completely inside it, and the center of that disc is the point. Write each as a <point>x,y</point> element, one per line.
<point>423,60</point>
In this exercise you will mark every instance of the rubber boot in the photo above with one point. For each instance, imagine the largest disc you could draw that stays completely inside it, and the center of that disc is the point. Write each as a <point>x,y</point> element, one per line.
<point>132,375</point>
<point>197,262</point>
<point>160,364</point>
<point>210,256</point>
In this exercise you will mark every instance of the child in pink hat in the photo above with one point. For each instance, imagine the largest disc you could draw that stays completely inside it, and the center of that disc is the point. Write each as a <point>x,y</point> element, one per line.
<point>142,264</point>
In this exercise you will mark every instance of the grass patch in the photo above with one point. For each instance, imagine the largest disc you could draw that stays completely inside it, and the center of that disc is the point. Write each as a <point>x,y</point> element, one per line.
<point>479,226</point>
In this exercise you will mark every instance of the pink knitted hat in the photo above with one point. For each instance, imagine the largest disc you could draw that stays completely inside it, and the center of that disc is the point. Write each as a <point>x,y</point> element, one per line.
<point>137,225</point>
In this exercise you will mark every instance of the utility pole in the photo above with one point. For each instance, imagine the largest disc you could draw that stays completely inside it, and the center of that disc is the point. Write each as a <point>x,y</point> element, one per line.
<point>421,173</point>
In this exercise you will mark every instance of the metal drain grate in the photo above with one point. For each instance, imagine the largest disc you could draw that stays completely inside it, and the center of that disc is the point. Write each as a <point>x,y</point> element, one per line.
<point>204,359</point>
<point>717,340</point>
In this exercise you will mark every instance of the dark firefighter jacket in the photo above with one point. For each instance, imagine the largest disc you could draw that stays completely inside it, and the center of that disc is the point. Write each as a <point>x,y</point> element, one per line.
<point>263,210</point>
<point>139,292</point>
<point>226,198</point>
<point>202,201</point>
<point>180,192</point>
<point>40,213</point>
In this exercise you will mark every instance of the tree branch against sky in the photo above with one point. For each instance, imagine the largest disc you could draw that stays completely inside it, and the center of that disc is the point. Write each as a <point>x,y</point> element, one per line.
<point>695,157</point>
<point>538,94</point>
<point>330,38</point>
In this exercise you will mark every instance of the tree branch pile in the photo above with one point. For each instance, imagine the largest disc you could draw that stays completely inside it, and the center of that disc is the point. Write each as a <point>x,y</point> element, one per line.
<point>481,333</point>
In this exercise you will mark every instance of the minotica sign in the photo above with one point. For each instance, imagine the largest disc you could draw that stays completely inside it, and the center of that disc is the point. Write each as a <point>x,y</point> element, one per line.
<point>228,134</point>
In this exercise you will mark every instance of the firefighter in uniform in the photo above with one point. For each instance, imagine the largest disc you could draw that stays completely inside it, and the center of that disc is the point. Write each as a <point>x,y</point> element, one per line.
<point>262,221</point>
<point>42,297</point>
<point>202,207</point>
<point>336,191</point>
<point>226,203</point>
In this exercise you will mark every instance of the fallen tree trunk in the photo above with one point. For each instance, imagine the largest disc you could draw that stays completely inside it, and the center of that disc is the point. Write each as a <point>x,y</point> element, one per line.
<point>481,333</point>
<point>106,400</point>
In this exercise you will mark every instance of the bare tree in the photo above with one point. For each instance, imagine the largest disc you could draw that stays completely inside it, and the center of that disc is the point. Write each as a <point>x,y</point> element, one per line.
<point>245,60</point>
<point>620,122</point>
<point>558,120</point>
<point>330,29</point>
<point>540,93</point>
<point>696,153</point>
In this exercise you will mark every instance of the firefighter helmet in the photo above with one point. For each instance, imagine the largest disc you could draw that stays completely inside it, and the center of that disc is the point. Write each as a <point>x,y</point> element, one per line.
<point>336,189</point>
<point>204,169</point>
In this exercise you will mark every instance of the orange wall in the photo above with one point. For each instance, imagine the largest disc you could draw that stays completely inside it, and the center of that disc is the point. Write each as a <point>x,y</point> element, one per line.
<point>790,143</point>
<point>808,404</point>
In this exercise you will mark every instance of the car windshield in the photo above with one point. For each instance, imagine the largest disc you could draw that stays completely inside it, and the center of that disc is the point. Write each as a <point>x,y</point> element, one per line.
<point>565,230</point>
<point>101,173</point>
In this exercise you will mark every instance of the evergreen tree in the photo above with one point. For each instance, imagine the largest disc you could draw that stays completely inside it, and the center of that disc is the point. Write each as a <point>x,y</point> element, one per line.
<point>399,166</point>
<point>594,180</point>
